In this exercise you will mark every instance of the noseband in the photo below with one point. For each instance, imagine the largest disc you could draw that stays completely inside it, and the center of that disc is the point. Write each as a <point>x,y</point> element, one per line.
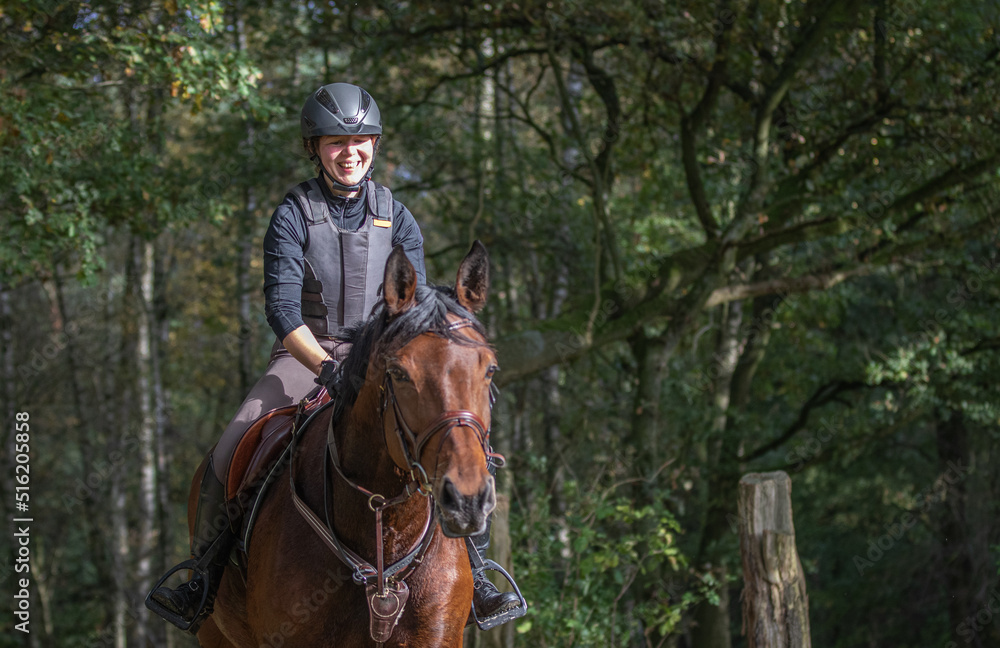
<point>413,444</point>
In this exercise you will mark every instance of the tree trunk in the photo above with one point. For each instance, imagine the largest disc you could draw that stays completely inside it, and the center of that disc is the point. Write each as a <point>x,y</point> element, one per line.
<point>148,539</point>
<point>245,230</point>
<point>119,559</point>
<point>245,288</point>
<point>646,439</point>
<point>8,403</point>
<point>757,336</point>
<point>775,604</point>
<point>711,622</point>
<point>114,412</point>
<point>9,396</point>
<point>733,380</point>
<point>965,557</point>
<point>160,326</point>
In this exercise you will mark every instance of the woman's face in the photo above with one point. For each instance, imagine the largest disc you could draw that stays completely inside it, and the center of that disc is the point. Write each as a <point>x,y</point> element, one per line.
<point>347,157</point>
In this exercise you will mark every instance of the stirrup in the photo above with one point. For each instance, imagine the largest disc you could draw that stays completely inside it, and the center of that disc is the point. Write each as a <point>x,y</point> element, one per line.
<point>502,617</point>
<point>200,575</point>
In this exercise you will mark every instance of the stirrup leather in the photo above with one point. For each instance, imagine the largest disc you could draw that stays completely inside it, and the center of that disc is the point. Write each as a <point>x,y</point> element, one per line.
<point>503,617</point>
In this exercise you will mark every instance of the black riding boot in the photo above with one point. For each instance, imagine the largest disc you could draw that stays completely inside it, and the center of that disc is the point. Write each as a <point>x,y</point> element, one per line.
<point>189,604</point>
<point>491,607</point>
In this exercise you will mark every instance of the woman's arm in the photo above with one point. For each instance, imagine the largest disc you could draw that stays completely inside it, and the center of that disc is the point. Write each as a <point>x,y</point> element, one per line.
<point>283,271</point>
<point>302,344</point>
<point>406,232</point>
<point>284,268</point>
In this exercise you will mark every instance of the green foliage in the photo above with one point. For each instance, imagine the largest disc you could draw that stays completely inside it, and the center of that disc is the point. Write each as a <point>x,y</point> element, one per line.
<point>582,564</point>
<point>84,100</point>
<point>176,123</point>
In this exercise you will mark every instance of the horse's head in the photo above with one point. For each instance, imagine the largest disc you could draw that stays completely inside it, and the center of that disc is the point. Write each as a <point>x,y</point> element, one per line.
<point>437,388</point>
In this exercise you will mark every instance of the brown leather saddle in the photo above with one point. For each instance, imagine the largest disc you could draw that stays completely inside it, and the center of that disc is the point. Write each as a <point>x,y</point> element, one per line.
<point>260,454</point>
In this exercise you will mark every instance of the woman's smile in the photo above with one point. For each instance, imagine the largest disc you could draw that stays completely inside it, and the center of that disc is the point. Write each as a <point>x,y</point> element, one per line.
<point>347,158</point>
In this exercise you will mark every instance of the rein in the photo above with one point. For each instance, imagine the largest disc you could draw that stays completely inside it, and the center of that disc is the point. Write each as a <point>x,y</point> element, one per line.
<point>388,594</point>
<point>386,589</point>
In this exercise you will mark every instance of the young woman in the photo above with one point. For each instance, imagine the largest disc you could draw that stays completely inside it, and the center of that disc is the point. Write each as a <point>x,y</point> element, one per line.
<point>324,256</point>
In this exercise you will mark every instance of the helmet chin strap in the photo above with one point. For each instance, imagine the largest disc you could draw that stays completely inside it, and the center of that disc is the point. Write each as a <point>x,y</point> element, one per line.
<point>342,187</point>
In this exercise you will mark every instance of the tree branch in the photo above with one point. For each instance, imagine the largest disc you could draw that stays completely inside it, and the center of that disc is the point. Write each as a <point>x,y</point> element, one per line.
<point>604,84</point>
<point>599,190</point>
<point>694,122</point>
<point>785,285</point>
<point>950,178</point>
<point>692,174</point>
<point>833,225</point>
<point>546,136</point>
<point>472,72</point>
<point>820,397</point>
<point>986,344</point>
<point>808,45</point>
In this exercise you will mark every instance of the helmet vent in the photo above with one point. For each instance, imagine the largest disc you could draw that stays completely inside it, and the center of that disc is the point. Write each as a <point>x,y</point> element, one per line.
<point>366,100</point>
<point>310,124</point>
<point>351,120</point>
<point>325,100</point>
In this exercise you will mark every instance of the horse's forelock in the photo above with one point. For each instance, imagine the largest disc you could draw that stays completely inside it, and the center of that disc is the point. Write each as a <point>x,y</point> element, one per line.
<point>383,336</point>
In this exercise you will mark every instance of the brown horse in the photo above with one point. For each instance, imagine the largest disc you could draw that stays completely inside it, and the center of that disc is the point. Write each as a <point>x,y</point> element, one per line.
<point>426,367</point>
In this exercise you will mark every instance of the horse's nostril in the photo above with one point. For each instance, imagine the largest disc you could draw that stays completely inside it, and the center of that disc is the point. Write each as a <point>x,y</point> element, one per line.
<point>488,497</point>
<point>450,497</point>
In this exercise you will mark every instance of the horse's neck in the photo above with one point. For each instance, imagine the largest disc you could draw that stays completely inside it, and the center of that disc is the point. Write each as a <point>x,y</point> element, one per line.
<point>364,459</point>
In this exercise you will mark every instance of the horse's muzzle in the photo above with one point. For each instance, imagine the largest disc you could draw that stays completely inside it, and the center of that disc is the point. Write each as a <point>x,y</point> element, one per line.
<point>465,515</point>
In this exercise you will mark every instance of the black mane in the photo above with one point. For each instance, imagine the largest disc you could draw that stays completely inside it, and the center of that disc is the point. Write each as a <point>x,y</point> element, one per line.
<point>386,336</point>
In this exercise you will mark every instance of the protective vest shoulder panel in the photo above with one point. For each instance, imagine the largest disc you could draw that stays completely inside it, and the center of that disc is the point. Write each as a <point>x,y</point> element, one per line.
<point>343,269</point>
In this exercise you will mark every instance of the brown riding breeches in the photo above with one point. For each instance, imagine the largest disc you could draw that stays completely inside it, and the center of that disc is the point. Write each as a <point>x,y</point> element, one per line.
<point>285,382</point>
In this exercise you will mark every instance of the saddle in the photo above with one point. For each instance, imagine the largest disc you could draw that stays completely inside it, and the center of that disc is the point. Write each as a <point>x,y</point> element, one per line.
<point>260,452</point>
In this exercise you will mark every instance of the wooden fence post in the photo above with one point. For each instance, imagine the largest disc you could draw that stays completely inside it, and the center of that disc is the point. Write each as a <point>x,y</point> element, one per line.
<point>775,604</point>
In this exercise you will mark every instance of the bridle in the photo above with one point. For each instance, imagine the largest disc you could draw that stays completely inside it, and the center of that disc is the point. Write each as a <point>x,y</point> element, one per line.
<point>386,590</point>
<point>412,444</point>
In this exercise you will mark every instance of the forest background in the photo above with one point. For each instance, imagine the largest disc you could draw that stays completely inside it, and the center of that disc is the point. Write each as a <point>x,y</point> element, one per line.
<point>726,237</point>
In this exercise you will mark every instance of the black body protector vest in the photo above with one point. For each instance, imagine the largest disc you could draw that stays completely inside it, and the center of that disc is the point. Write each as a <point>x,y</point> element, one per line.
<point>343,269</point>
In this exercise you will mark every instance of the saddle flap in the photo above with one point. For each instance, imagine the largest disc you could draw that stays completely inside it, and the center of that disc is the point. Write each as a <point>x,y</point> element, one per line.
<point>261,445</point>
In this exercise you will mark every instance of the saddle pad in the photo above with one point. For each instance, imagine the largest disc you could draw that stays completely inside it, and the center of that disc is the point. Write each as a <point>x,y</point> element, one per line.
<point>261,445</point>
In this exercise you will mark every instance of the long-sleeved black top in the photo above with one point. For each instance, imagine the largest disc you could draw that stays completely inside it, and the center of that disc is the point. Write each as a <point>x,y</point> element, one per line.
<point>288,237</point>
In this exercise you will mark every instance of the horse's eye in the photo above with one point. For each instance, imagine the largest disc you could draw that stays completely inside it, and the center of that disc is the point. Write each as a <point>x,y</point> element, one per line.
<point>490,371</point>
<point>397,374</point>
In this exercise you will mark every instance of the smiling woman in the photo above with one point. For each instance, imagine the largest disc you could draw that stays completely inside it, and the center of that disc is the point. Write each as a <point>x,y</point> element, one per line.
<point>325,254</point>
<point>346,159</point>
<point>341,128</point>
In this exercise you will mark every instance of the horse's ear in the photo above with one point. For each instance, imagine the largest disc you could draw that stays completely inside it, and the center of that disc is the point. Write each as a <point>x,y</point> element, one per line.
<point>474,278</point>
<point>400,282</point>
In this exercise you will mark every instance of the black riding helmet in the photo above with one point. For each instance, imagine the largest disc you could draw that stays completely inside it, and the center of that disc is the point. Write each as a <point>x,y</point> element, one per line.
<point>340,109</point>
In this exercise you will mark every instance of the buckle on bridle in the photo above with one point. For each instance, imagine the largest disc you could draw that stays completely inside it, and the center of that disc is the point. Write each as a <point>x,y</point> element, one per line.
<point>373,505</point>
<point>422,481</point>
